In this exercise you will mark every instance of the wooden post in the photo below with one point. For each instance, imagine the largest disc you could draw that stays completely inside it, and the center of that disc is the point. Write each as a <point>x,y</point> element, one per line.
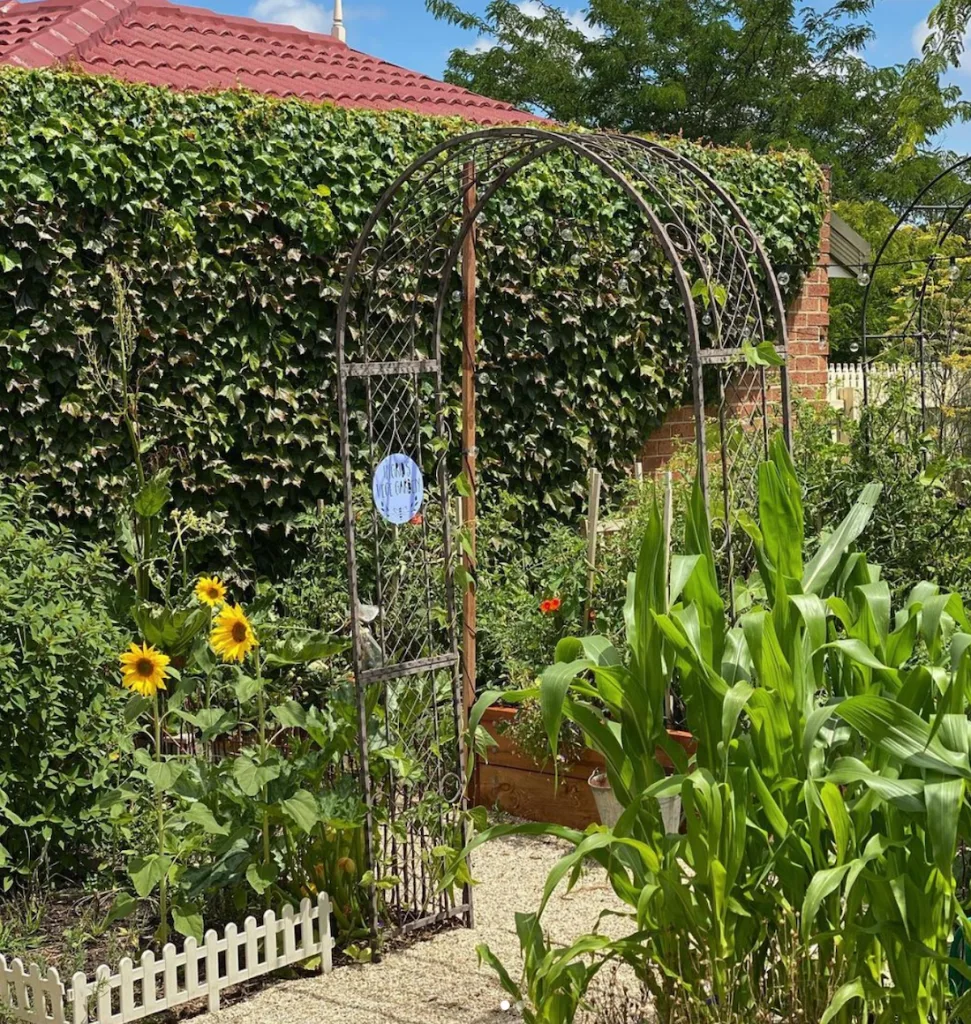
<point>468,436</point>
<point>593,521</point>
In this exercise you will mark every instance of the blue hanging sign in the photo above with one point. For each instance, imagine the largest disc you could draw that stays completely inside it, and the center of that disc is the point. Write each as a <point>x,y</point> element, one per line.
<point>398,488</point>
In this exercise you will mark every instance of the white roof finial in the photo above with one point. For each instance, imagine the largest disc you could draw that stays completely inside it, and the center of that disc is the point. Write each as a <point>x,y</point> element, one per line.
<point>338,31</point>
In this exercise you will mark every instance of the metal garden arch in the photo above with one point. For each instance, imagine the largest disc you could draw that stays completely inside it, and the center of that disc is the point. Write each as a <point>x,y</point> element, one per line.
<point>401,276</point>
<point>933,322</point>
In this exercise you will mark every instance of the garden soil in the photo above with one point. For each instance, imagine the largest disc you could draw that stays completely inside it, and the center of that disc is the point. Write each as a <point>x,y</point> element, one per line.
<point>438,980</point>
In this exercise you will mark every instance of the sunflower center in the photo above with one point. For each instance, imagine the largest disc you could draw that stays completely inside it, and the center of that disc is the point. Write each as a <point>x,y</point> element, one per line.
<point>239,632</point>
<point>213,593</point>
<point>145,667</point>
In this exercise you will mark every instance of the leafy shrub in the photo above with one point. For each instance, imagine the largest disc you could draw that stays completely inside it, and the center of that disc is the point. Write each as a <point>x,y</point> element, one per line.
<point>62,739</point>
<point>824,807</point>
<point>921,529</point>
<point>231,216</point>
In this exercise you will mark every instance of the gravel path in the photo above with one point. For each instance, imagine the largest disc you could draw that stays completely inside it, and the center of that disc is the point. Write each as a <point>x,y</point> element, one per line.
<point>438,981</point>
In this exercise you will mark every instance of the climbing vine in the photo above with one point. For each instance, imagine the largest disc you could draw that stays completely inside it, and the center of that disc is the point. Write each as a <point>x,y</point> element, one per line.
<point>230,217</point>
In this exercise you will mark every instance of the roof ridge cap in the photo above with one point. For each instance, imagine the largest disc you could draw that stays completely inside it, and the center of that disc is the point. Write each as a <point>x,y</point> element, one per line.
<point>274,27</point>
<point>87,20</point>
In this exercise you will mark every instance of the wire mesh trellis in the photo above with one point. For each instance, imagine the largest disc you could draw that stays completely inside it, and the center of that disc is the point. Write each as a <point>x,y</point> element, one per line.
<point>397,306</point>
<point>915,314</point>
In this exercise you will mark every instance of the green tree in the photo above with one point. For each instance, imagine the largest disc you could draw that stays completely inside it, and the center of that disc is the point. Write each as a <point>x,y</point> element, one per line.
<point>759,72</point>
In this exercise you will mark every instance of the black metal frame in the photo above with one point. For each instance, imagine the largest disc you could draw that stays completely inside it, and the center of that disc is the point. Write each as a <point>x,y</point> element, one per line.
<point>391,398</point>
<point>929,330</point>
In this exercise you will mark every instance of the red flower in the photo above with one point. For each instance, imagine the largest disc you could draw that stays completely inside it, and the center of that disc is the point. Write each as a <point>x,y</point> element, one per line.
<point>546,606</point>
<point>555,603</point>
<point>416,519</point>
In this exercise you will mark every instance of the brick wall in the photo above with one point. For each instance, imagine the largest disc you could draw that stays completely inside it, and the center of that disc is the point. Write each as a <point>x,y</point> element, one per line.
<point>808,325</point>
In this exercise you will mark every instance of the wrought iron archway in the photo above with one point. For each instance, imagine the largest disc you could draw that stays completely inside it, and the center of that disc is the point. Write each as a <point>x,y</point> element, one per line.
<point>392,404</point>
<point>930,322</point>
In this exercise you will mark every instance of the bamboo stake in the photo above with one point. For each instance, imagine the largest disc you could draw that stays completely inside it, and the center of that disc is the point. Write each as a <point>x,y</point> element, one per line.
<point>667,523</point>
<point>593,521</point>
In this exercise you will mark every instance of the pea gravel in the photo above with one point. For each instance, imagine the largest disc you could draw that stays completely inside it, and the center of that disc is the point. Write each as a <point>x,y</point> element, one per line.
<point>438,980</point>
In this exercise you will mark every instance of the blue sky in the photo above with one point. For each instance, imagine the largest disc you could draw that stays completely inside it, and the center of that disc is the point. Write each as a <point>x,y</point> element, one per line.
<point>403,32</point>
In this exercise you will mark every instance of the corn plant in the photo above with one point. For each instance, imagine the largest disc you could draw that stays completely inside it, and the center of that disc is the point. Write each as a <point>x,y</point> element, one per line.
<point>827,798</point>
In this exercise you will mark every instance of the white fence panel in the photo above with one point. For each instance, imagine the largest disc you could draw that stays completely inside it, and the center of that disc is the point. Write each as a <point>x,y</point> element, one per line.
<point>154,985</point>
<point>29,995</point>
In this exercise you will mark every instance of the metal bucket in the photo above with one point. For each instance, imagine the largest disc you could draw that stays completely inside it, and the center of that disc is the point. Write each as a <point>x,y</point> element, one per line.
<point>610,808</point>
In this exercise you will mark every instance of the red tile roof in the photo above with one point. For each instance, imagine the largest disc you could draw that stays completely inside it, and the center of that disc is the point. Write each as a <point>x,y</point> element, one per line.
<point>165,43</point>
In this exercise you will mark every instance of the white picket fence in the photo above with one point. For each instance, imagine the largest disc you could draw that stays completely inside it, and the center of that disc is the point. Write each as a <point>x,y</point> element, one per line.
<point>199,971</point>
<point>845,383</point>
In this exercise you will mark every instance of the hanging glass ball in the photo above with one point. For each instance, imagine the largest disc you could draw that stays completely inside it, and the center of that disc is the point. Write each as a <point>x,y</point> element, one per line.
<point>855,346</point>
<point>456,296</point>
<point>665,303</point>
<point>576,259</point>
<point>954,271</point>
<point>623,286</point>
<point>784,279</point>
<point>864,279</point>
<point>636,255</point>
<point>529,231</point>
<point>706,319</point>
<point>567,235</point>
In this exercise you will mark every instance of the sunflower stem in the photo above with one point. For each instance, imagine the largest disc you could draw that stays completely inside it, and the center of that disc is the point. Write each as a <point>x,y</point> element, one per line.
<point>261,711</point>
<point>160,809</point>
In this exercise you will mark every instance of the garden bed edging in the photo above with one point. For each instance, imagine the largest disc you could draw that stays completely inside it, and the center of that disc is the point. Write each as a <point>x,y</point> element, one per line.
<point>515,783</point>
<point>134,992</point>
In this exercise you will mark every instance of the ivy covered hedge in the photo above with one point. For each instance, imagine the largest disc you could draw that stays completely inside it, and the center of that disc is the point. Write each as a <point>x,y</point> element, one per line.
<point>231,215</point>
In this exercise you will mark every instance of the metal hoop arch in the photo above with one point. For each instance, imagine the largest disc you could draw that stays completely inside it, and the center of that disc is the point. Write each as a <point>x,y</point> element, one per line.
<point>949,220</point>
<point>719,267</point>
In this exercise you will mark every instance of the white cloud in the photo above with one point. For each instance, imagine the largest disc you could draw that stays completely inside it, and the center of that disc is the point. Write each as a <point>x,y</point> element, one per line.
<point>534,9</point>
<point>577,18</point>
<point>305,14</point>
<point>482,45</point>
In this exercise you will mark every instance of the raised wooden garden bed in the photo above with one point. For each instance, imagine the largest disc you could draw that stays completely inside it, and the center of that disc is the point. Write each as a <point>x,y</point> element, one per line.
<point>518,785</point>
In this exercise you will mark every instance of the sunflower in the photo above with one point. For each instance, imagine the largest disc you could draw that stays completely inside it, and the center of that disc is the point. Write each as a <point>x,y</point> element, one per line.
<point>143,669</point>
<point>232,635</point>
<point>211,590</point>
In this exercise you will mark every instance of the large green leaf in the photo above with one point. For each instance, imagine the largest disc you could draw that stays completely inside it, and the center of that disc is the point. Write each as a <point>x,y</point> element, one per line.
<point>901,733</point>
<point>831,550</point>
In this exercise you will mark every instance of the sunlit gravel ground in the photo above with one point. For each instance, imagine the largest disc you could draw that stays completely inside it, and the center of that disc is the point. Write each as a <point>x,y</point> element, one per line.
<point>438,980</point>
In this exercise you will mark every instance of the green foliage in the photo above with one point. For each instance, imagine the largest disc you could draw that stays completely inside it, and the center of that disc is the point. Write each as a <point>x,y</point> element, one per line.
<point>921,528</point>
<point>902,275</point>
<point>826,801</point>
<point>62,742</point>
<point>758,72</point>
<point>229,217</point>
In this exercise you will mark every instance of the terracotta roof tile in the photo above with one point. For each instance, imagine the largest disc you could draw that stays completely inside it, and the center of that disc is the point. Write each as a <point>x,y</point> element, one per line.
<point>164,43</point>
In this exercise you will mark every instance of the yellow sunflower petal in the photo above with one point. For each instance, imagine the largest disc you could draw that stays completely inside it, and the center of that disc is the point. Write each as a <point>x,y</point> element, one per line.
<point>143,669</point>
<point>232,636</point>
<point>210,590</point>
